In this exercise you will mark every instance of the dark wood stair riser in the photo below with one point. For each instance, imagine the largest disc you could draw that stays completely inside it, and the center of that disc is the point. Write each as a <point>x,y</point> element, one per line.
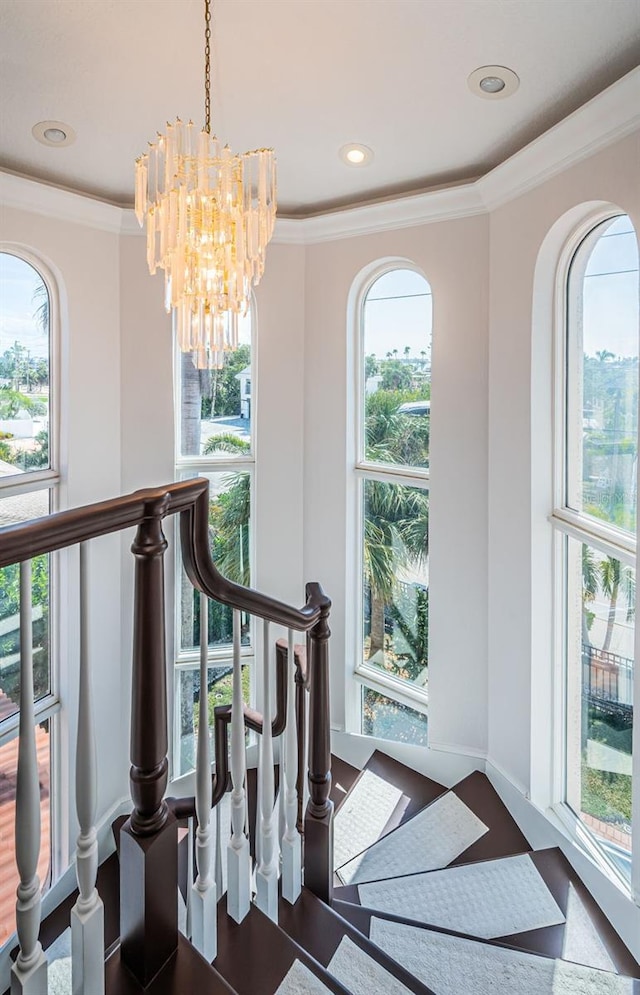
<point>186,973</point>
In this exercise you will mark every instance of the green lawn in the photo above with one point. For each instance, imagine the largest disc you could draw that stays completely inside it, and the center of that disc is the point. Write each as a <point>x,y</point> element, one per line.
<point>606,796</point>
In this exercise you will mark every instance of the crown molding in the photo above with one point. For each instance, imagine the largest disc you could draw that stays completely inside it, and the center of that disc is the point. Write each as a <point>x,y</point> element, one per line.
<point>607,118</point>
<point>54,202</point>
<point>443,204</point>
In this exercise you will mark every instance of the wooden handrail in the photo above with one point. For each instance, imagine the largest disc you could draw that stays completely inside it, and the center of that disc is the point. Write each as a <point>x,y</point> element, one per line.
<point>201,571</point>
<point>190,499</point>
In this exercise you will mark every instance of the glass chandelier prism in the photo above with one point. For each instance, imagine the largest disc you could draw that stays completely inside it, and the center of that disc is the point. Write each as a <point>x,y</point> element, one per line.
<point>210,214</point>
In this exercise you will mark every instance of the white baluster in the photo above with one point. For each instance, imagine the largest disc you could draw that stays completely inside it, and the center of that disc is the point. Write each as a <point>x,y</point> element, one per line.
<point>188,928</point>
<point>238,858</point>
<point>267,871</point>
<point>29,973</point>
<point>87,915</point>
<point>291,843</point>
<point>203,892</point>
<point>218,858</point>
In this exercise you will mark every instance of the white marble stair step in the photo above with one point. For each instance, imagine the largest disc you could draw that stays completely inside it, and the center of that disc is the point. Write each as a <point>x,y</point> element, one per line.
<point>431,839</point>
<point>451,965</point>
<point>489,899</point>
<point>361,974</point>
<point>300,980</point>
<point>363,815</point>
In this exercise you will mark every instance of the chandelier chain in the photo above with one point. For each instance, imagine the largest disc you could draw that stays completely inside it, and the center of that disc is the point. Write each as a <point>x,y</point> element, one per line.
<point>207,66</point>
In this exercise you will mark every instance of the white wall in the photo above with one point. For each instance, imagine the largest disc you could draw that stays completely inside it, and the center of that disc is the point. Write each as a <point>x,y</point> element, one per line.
<point>278,520</point>
<point>454,258</point>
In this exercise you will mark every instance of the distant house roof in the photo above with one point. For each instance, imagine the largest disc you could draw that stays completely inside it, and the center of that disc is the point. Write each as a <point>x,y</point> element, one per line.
<point>244,373</point>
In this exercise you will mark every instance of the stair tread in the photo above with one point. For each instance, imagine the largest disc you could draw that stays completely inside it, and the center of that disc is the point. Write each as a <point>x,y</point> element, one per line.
<point>272,954</point>
<point>431,839</point>
<point>319,929</point>
<point>559,877</point>
<point>445,960</point>
<point>419,789</point>
<point>185,973</point>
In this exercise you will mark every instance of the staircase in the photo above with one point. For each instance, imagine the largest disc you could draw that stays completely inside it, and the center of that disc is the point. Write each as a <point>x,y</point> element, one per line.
<point>421,908</point>
<point>409,887</point>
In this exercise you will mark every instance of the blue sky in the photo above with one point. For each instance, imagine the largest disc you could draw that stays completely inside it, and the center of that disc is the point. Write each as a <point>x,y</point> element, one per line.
<point>18,282</point>
<point>611,293</point>
<point>397,313</point>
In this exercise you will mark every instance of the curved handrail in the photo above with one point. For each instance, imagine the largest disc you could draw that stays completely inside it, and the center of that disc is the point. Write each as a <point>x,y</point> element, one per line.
<point>201,571</point>
<point>190,499</point>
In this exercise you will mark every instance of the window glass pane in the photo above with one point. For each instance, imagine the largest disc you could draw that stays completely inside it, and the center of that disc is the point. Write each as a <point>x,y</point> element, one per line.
<point>219,692</point>
<point>21,508</point>
<point>215,405</point>
<point>229,536</point>
<point>388,719</point>
<point>24,368</point>
<point>397,369</point>
<point>395,580</point>
<point>602,346</point>
<point>9,876</point>
<point>600,695</point>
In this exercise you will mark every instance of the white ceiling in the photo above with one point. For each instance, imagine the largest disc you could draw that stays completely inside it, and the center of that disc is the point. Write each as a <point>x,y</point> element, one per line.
<point>303,76</point>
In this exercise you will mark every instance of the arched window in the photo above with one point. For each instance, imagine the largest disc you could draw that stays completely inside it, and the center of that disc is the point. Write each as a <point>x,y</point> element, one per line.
<point>597,530</point>
<point>215,438</point>
<point>27,481</point>
<point>392,467</point>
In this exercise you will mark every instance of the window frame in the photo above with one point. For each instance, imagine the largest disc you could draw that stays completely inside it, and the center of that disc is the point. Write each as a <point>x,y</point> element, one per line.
<point>189,659</point>
<point>568,524</point>
<point>361,675</point>
<point>49,479</point>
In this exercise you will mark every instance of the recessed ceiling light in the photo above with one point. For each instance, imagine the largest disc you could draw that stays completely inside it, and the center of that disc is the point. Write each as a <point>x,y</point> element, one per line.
<point>356,155</point>
<point>55,134</point>
<point>493,82</point>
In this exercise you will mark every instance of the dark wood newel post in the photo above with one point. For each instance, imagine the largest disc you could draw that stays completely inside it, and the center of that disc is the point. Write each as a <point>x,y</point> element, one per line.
<point>318,824</point>
<point>149,840</point>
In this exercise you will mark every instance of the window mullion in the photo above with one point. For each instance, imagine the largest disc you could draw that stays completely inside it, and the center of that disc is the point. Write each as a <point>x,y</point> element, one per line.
<point>611,542</point>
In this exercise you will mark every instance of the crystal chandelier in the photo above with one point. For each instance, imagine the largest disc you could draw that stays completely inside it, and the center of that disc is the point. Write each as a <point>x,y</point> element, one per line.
<point>210,214</point>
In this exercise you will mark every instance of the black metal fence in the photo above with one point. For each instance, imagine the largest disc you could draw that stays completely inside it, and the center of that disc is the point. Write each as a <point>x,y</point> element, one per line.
<point>607,681</point>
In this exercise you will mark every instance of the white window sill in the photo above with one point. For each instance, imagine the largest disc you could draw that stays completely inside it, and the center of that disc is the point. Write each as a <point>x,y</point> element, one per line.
<point>393,687</point>
<point>563,818</point>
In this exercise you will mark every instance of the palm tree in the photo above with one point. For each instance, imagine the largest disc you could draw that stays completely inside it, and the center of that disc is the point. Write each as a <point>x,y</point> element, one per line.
<point>41,300</point>
<point>396,517</point>
<point>191,405</point>
<point>589,590</point>
<point>416,637</point>
<point>395,536</point>
<point>229,514</point>
<point>615,578</point>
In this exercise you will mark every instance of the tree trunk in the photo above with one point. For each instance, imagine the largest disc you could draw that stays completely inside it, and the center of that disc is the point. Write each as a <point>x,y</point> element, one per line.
<point>191,413</point>
<point>377,624</point>
<point>611,618</point>
<point>190,427</point>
